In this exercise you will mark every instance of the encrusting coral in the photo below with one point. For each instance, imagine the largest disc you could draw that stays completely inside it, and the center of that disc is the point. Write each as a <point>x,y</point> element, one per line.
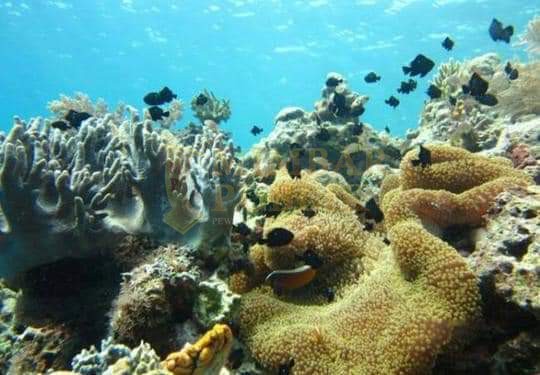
<point>413,299</point>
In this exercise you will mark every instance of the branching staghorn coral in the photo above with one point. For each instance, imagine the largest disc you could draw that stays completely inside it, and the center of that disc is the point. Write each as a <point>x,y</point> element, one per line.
<point>414,299</point>
<point>212,109</point>
<point>531,37</point>
<point>449,77</point>
<point>80,102</point>
<point>175,109</point>
<point>203,185</point>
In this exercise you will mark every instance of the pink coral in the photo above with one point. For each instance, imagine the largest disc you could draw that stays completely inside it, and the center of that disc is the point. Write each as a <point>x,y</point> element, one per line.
<point>521,157</point>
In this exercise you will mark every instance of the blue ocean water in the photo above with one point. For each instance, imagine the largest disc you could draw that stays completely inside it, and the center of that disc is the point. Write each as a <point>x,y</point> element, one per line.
<point>262,55</point>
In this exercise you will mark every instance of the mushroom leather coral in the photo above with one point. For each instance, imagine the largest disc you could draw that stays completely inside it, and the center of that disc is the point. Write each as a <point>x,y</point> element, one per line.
<point>413,301</point>
<point>206,357</point>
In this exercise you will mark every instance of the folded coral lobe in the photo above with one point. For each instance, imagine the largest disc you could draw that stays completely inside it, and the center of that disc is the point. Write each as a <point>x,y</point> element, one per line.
<point>414,299</point>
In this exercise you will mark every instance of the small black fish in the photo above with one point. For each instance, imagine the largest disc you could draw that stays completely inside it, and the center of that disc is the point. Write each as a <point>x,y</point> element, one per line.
<point>333,82</point>
<point>272,209</point>
<point>420,65</point>
<point>452,100</point>
<point>236,358</point>
<point>201,100</point>
<point>392,101</point>
<point>338,106</point>
<point>278,237</point>
<point>252,196</point>
<point>434,92</point>
<point>297,150</point>
<point>424,157</point>
<point>407,86</point>
<point>357,129</point>
<point>285,368</point>
<point>386,241</point>
<point>323,135</point>
<point>167,95</point>
<point>511,72</point>
<point>293,168</point>
<point>76,118</point>
<point>241,229</point>
<point>309,212</point>
<point>448,44</point>
<point>255,130</point>
<point>157,113</point>
<point>387,129</point>
<point>152,98</point>
<point>311,259</point>
<point>60,124</point>
<point>487,99</point>
<point>498,32</point>
<point>330,294</point>
<point>508,68</point>
<point>514,74</point>
<point>477,86</point>
<point>373,210</point>
<point>372,77</point>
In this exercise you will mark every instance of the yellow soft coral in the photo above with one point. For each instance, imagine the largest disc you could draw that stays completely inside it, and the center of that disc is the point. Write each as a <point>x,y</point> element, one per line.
<point>457,188</point>
<point>206,357</point>
<point>333,232</point>
<point>415,297</point>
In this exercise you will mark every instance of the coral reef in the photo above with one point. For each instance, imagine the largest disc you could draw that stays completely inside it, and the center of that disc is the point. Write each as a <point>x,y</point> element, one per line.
<point>410,302</point>
<point>175,109</point>
<point>211,108</point>
<point>505,256</point>
<point>207,356</point>
<point>75,188</point>
<point>520,98</point>
<point>93,185</point>
<point>494,130</point>
<point>214,303</point>
<point>117,359</point>
<point>203,183</point>
<point>531,37</point>
<point>339,104</point>
<point>154,297</point>
<point>508,251</point>
<point>321,140</point>
<point>8,299</point>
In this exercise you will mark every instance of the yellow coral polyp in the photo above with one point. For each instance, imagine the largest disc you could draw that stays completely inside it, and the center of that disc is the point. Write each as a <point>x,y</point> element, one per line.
<point>206,357</point>
<point>414,298</point>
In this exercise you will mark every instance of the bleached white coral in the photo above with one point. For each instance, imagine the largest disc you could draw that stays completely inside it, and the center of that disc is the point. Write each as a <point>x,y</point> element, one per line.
<point>531,37</point>
<point>80,102</point>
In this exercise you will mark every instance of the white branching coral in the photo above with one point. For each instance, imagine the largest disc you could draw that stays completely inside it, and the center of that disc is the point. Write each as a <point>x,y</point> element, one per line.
<point>206,106</point>
<point>531,37</point>
<point>80,102</point>
<point>449,77</point>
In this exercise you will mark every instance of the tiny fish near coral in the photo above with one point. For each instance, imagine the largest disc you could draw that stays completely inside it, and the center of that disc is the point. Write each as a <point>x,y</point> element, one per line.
<point>291,279</point>
<point>424,157</point>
